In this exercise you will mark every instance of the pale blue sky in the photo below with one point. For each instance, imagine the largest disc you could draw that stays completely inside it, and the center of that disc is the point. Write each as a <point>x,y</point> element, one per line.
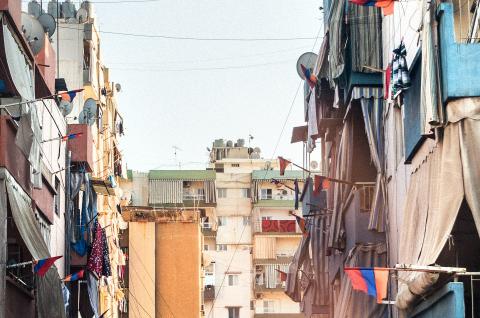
<point>168,105</point>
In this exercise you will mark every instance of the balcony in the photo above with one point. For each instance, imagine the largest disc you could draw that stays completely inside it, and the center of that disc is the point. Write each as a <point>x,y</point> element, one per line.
<point>273,227</point>
<point>209,292</point>
<point>207,229</point>
<point>81,146</point>
<point>193,196</point>
<point>260,288</point>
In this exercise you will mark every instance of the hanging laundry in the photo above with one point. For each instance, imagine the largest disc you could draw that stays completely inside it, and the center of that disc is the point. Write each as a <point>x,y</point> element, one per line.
<point>95,261</point>
<point>106,269</point>
<point>75,276</point>
<point>321,183</point>
<point>370,280</point>
<point>283,275</point>
<point>400,75</point>
<point>386,5</point>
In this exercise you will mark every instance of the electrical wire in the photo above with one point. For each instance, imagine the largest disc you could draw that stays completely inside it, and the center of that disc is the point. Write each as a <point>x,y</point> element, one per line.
<point>192,38</point>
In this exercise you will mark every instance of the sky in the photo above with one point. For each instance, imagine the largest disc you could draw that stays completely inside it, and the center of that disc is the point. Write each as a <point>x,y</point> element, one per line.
<point>186,93</point>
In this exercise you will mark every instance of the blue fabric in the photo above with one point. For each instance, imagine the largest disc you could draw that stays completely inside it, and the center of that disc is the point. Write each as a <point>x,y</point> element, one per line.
<point>369,277</point>
<point>80,245</point>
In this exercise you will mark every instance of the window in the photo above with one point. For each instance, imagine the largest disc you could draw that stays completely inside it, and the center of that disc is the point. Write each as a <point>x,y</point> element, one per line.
<point>222,220</point>
<point>266,194</point>
<point>222,192</point>
<point>233,312</point>
<point>268,306</point>
<point>245,193</point>
<point>44,228</point>
<point>221,247</point>
<point>205,247</point>
<point>235,165</point>
<point>56,206</point>
<point>233,280</point>
<point>246,220</point>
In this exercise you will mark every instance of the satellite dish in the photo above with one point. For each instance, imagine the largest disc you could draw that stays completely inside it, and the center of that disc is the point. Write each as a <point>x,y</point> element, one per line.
<point>256,149</point>
<point>308,60</point>
<point>89,112</point>
<point>66,107</point>
<point>314,165</point>
<point>48,23</point>
<point>33,32</point>
<point>82,15</point>
<point>118,87</point>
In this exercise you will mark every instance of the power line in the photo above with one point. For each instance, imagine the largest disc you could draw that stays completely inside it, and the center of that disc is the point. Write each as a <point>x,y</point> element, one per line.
<point>203,68</point>
<point>192,38</point>
<point>214,59</point>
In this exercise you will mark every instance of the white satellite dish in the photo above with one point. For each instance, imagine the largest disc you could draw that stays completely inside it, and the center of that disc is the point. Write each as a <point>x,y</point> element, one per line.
<point>89,113</point>
<point>66,107</point>
<point>308,60</point>
<point>48,23</point>
<point>34,33</point>
<point>82,15</point>
<point>314,165</point>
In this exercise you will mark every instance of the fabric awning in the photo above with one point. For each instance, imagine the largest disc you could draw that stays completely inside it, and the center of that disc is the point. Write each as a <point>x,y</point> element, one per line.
<point>299,134</point>
<point>448,175</point>
<point>49,296</point>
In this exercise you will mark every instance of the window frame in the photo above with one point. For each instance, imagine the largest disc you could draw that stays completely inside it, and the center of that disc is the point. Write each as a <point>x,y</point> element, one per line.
<point>233,312</point>
<point>233,279</point>
<point>222,247</point>
<point>246,193</point>
<point>222,193</point>
<point>222,220</point>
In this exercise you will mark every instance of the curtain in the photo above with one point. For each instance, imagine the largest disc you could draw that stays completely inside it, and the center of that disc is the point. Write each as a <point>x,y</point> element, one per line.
<point>209,190</point>
<point>437,191</point>
<point>292,288</point>
<point>365,37</point>
<point>255,189</point>
<point>165,191</point>
<point>312,121</point>
<point>343,171</point>
<point>49,290</point>
<point>318,242</point>
<point>372,109</point>
<point>265,247</point>
<point>336,56</point>
<point>353,304</point>
<point>429,93</point>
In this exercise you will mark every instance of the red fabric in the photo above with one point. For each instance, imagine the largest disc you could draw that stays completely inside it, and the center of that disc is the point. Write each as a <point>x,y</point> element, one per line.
<point>95,261</point>
<point>283,275</point>
<point>270,226</point>
<point>287,226</point>
<point>388,76</point>
<point>283,165</point>
<point>320,183</point>
<point>358,282</point>
<point>301,224</point>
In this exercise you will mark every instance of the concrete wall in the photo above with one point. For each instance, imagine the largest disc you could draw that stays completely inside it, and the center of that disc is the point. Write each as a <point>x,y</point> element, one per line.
<point>178,267</point>
<point>282,303</point>
<point>142,269</point>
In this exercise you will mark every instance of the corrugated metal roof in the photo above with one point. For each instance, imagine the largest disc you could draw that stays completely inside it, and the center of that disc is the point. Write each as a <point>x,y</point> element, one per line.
<point>275,174</point>
<point>186,175</point>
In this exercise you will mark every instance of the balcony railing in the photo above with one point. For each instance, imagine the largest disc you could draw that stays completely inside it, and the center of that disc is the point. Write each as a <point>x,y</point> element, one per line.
<point>193,196</point>
<point>276,197</point>
<point>277,226</point>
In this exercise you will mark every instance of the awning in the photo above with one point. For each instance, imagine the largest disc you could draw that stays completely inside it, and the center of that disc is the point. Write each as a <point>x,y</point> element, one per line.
<point>299,134</point>
<point>49,296</point>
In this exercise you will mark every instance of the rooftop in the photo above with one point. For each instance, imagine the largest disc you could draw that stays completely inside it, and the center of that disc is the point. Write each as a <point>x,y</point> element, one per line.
<point>184,175</point>
<point>275,174</point>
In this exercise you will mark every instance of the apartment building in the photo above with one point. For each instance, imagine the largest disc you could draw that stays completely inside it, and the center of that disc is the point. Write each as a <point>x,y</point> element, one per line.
<point>276,235</point>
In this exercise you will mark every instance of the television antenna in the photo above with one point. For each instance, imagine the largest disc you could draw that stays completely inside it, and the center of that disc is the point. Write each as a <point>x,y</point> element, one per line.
<point>175,150</point>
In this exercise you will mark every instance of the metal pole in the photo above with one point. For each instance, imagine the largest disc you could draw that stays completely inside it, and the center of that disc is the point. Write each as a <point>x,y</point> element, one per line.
<point>67,212</point>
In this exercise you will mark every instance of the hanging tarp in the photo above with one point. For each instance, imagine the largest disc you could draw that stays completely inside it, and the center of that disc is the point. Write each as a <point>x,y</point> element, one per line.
<point>437,189</point>
<point>165,191</point>
<point>20,70</point>
<point>352,303</point>
<point>365,25</point>
<point>292,288</point>
<point>336,39</point>
<point>318,242</point>
<point>49,290</point>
